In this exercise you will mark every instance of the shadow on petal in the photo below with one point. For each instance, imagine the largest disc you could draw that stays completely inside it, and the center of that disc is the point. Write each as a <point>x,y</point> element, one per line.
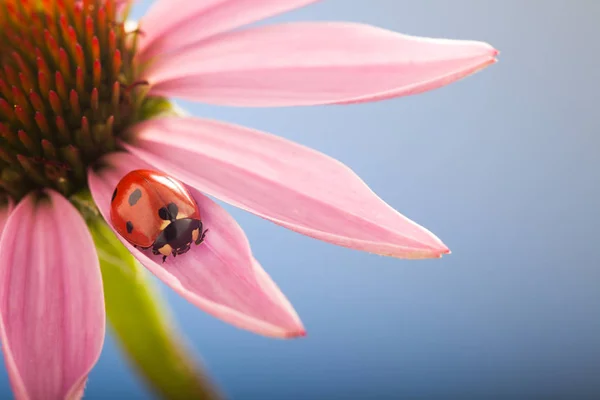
<point>5,211</point>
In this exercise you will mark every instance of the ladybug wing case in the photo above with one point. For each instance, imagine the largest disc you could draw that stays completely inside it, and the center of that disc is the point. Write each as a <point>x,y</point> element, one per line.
<point>175,201</point>
<point>134,212</point>
<point>145,202</point>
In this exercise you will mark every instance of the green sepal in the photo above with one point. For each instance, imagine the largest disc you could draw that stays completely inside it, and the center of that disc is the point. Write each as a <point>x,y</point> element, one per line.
<point>155,107</point>
<point>141,324</point>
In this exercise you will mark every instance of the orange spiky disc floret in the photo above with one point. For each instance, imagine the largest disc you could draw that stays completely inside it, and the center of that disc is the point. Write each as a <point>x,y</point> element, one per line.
<point>67,90</point>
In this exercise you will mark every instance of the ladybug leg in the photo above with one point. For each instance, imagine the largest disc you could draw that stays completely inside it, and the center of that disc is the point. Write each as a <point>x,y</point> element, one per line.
<point>184,249</point>
<point>157,253</point>
<point>201,238</point>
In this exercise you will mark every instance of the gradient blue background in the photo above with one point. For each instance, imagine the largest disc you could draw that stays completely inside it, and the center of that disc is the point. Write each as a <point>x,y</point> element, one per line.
<point>503,166</point>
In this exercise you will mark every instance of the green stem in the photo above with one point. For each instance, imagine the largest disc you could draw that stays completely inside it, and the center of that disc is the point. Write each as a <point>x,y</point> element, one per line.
<point>140,321</point>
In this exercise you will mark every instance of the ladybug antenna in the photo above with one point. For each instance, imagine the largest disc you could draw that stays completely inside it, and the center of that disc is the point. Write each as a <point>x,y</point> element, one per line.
<point>128,88</point>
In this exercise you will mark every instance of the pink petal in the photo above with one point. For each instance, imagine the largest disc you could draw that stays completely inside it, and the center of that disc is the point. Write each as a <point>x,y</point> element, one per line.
<point>171,25</point>
<point>220,276</point>
<point>314,63</point>
<point>289,184</point>
<point>51,299</point>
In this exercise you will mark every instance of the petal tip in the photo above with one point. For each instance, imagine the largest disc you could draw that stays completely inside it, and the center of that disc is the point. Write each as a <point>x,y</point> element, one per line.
<point>493,54</point>
<point>295,330</point>
<point>296,334</point>
<point>443,250</point>
<point>489,54</point>
<point>438,251</point>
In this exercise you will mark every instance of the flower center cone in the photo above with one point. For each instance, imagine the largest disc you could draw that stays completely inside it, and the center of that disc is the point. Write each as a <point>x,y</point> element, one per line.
<point>67,91</point>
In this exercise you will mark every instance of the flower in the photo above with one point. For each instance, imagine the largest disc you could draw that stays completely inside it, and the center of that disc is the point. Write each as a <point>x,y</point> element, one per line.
<point>81,104</point>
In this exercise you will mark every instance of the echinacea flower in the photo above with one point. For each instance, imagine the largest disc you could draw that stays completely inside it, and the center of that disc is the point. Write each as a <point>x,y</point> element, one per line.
<point>81,101</point>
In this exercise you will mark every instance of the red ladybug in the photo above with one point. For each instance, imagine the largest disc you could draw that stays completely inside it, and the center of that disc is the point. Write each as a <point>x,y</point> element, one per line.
<point>153,210</point>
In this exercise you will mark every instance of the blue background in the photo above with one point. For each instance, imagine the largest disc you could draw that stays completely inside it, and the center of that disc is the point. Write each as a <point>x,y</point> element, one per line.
<point>503,166</point>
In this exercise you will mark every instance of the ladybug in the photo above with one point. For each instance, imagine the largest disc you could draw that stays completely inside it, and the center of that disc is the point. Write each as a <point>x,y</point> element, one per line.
<point>153,210</point>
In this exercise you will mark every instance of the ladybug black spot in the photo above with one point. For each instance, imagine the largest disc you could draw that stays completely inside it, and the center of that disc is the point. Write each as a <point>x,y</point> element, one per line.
<point>169,213</point>
<point>163,213</point>
<point>113,195</point>
<point>129,226</point>
<point>173,210</point>
<point>134,197</point>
